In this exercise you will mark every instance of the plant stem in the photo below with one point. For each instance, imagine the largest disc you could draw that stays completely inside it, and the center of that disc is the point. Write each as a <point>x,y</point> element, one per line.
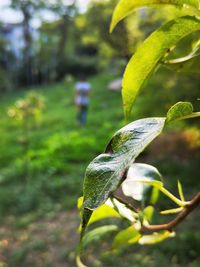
<point>177,220</point>
<point>193,115</point>
<point>173,198</point>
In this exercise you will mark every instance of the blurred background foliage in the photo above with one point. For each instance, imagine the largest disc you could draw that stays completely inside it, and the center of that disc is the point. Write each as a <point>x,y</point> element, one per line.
<point>42,164</point>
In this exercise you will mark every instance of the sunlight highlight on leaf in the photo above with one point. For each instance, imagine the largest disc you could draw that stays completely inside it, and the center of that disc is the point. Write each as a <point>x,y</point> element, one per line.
<point>126,7</point>
<point>103,212</point>
<point>80,203</point>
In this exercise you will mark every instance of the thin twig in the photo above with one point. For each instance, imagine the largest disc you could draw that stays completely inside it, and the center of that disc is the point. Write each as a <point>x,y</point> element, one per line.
<point>177,220</point>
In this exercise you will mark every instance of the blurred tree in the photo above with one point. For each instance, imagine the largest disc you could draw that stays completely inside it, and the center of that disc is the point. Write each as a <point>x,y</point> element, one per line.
<point>5,56</point>
<point>65,10</point>
<point>97,21</point>
<point>46,57</point>
<point>27,8</point>
<point>76,42</point>
<point>93,29</point>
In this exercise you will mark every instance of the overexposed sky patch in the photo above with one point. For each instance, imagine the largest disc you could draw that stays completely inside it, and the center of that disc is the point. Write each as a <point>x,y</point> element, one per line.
<point>4,2</point>
<point>83,4</point>
<point>8,15</point>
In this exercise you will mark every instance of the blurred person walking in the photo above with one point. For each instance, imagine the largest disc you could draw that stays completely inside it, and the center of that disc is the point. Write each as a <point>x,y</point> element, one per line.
<point>82,88</point>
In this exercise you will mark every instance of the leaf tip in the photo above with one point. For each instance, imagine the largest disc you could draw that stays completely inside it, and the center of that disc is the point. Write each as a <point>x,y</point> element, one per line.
<point>86,214</point>
<point>112,25</point>
<point>79,263</point>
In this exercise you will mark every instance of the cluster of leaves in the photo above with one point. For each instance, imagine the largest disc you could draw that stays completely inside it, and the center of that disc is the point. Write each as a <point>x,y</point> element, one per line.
<point>27,109</point>
<point>115,168</point>
<point>27,113</point>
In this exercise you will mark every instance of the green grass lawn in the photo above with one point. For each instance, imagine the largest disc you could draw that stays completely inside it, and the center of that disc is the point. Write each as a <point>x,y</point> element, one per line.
<point>59,150</point>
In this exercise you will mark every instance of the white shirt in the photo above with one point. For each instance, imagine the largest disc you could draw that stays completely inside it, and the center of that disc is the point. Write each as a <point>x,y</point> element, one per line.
<point>82,89</point>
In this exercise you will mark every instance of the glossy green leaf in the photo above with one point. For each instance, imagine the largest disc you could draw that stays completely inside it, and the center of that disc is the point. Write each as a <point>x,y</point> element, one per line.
<point>151,52</point>
<point>132,187</point>
<point>97,234</point>
<point>179,110</point>
<point>106,172</point>
<point>126,7</point>
<point>155,238</point>
<point>103,212</point>
<point>126,237</point>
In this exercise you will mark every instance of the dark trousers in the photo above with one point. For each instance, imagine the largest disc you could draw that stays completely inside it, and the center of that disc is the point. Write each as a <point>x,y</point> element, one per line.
<point>82,114</point>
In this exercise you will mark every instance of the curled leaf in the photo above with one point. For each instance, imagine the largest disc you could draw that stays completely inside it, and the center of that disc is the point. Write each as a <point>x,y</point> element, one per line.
<point>132,186</point>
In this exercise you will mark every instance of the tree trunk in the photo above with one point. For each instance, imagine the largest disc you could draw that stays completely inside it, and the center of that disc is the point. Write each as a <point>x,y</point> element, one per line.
<point>27,53</point>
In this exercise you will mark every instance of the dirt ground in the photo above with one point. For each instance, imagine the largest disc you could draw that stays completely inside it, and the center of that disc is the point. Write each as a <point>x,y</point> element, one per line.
<point>45,242</point>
